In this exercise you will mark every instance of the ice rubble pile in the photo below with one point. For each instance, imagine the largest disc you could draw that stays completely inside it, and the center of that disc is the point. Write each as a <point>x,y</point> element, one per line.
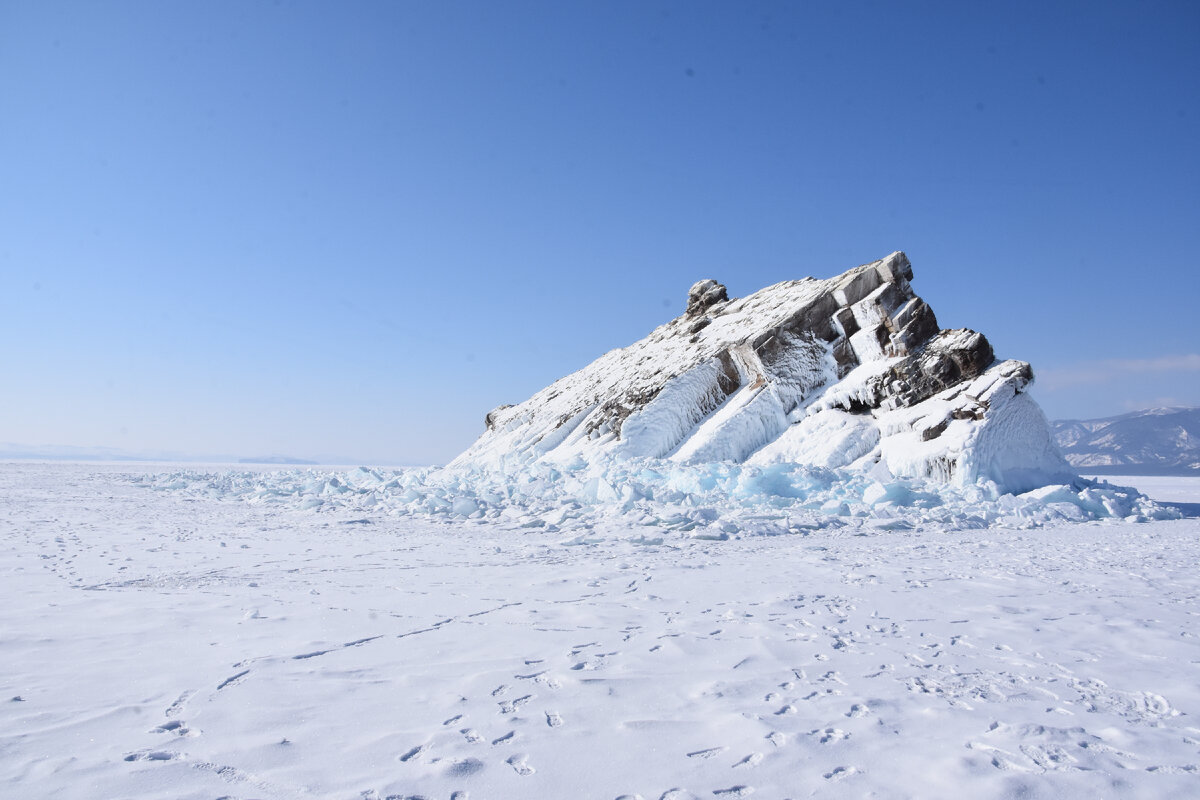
<point>845,373</point>
<point>643,500</point>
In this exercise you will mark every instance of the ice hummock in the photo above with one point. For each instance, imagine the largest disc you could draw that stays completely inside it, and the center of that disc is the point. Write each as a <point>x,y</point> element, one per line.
<point>624,498</point>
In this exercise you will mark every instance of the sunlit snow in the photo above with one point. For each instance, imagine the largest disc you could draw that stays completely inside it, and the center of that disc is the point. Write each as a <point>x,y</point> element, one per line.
<point>608,631</point>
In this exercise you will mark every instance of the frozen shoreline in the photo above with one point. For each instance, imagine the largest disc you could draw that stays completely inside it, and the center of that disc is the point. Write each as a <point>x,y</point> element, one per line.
<point>165,645</point>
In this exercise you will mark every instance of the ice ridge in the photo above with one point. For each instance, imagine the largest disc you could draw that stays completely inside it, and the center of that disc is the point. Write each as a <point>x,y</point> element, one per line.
<point>640,499</point>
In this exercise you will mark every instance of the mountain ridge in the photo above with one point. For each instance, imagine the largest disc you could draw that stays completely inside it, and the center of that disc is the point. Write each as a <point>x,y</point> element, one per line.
<point>1161,441</point>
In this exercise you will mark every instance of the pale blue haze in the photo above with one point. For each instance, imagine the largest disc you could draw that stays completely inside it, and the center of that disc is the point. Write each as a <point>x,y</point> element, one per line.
<point>347,230</point>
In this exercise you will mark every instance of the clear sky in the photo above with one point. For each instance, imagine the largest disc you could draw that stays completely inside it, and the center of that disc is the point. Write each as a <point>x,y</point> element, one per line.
<point>349,229</point>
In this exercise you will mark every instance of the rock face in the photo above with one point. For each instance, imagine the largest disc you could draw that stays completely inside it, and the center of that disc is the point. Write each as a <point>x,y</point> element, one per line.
<point>851,372</point>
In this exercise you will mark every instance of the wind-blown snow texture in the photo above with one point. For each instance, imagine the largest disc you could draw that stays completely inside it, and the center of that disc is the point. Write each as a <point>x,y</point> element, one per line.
<point>844,373</point>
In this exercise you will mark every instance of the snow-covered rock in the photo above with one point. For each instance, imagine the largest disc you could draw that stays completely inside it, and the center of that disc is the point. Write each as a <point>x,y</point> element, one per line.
<point>850,372</point>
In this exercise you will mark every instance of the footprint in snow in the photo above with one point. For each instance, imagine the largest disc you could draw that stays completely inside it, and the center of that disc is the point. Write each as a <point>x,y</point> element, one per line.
<point>471,735</point>
<point>465,767</point>
<point>831,735</point>
<point>176,707</point>
<point>520,764</point>
<point>709,753</point>
<point>508,737</point>
<point>839,773</point>
<point>176,727</point>
<point>553,719</point>
<point>152,755</point>
<point>734,791</point>
<point>752,760</point>
<point>413,753</point>
<point>511,706</point>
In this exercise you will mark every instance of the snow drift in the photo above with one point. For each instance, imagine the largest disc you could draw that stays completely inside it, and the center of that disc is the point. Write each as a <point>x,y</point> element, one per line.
<point>850,373</point>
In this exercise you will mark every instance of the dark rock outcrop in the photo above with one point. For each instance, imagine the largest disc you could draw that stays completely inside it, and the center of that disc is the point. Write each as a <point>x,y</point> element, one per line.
<point>704,295</point>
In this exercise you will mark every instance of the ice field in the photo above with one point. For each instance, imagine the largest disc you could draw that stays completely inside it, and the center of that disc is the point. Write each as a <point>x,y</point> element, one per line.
<point>173,633</point>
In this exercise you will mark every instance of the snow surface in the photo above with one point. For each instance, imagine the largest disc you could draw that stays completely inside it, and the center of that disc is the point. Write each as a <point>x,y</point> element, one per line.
<point>1162,488</point>
<point>303,634</point>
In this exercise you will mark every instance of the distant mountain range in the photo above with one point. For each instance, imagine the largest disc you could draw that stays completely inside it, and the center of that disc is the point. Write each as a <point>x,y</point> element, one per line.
<point>1158,441</point>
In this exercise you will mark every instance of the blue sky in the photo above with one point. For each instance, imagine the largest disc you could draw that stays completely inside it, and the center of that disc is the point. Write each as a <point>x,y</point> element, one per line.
<point>350,229</point>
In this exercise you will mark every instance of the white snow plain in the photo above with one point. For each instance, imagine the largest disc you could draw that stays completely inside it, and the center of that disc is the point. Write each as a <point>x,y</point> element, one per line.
<point>700,632</point>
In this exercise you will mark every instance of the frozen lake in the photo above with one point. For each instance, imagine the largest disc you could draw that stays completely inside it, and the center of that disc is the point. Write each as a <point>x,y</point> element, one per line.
<point>158,645</point>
